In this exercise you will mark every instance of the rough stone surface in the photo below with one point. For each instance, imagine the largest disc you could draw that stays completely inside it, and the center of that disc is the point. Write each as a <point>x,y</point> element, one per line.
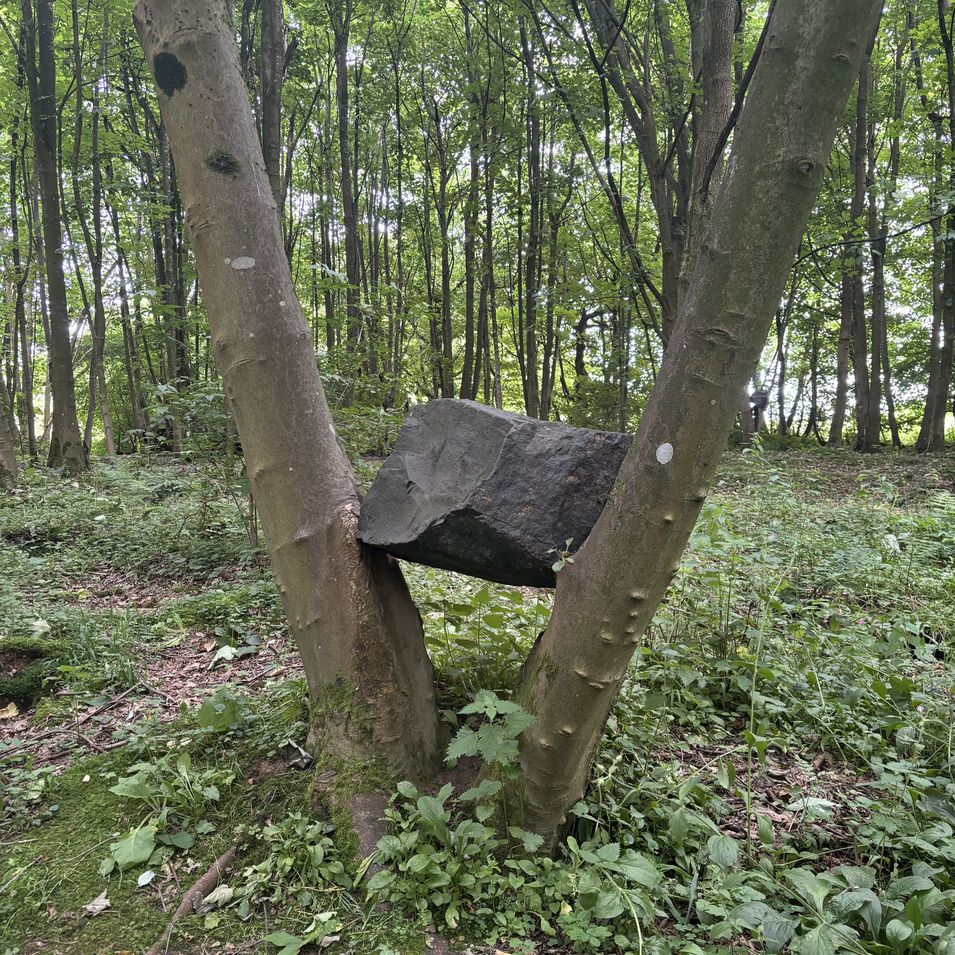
<point>489,493</point>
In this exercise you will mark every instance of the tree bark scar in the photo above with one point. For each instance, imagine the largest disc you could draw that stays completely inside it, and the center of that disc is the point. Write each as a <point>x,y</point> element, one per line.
<point>170,73</point>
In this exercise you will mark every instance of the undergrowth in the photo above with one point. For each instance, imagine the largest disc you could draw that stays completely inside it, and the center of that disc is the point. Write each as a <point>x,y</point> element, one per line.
<point>777,775</point>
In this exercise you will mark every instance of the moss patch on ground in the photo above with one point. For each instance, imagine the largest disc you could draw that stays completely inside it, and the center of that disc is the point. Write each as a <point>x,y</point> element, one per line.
<point>25,665</point>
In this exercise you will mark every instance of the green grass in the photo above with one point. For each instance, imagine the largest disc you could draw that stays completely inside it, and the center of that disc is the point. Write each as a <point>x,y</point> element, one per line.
<point>789,714</point>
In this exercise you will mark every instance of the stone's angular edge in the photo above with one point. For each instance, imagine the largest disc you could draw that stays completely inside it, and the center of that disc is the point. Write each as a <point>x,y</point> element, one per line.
<point>489,493</point>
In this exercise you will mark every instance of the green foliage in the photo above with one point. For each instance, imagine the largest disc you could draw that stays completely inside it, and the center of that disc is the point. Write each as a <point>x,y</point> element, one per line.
<point>27,669</point>
<point>443,863</point>
<point>495,741</point>
<point>177,796</point>
<point>300,864</point>
<point>777,772</point>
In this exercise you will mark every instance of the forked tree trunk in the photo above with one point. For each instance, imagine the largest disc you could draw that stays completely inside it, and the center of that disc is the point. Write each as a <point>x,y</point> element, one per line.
<point>606,599</point>
<point>356,627</point>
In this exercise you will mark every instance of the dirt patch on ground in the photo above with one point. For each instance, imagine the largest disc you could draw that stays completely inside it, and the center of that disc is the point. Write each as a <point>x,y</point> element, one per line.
<point>14,662</point>
<point>171,676</point>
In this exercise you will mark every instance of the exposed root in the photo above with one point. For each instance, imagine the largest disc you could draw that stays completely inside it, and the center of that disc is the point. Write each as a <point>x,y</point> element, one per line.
<point>200,889</point>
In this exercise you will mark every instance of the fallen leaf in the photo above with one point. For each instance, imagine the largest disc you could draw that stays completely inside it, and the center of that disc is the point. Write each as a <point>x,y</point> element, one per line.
<point>97,906</point>
<point>217,898</point>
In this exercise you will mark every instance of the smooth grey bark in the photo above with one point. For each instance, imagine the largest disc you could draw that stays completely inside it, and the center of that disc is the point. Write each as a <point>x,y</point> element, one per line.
<point>355,625</point>
<point>606,599</point>
<point>66,444</point>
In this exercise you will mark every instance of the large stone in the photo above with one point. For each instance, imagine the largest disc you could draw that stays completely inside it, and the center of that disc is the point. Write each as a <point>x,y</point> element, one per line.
<point>489,493</point>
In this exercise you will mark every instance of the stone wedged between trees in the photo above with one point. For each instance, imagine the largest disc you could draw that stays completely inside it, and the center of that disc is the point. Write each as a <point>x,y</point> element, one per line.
<point>489,493</point>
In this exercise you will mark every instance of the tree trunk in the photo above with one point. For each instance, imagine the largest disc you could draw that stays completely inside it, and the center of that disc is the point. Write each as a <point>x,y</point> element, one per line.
<point>712,23</point>
<point>92,228</point>
<point>66,444</point>
<point>471,209</point>
<point>852,331</point>
<point>860,355</point>
<point>532,250</point>
<point>349,609</point>
<point>272,69</point>
<point>932,433</point>
<point>606,599</point>
<point>341,23</point>
<point>8,458</point>
<point>21,276</point>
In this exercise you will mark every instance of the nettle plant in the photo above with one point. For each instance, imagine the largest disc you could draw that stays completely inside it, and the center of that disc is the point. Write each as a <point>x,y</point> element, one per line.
<point>443,862</point>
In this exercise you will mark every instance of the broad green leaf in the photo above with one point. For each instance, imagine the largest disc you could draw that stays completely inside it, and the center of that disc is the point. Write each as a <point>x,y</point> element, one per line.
<point>287,944</point>
<point>609,905</point>
<point>638,868</point>
<point>136,848</point>
<point>897,931</point>
<point>723,850</point>
<point>822,940</point>
<point>380,880</point>
<point>133,788</point>
<point>812,889</point>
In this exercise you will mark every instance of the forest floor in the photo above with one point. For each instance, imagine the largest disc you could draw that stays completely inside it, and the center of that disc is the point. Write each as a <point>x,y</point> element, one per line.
<point>778,775</point>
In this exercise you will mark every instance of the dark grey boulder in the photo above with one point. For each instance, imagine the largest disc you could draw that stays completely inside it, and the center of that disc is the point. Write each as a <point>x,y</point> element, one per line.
<point>489,493</point>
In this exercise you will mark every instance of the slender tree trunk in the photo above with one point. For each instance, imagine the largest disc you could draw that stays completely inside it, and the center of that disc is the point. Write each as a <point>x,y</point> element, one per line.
<point>712,23</point>
<point>932,433</point>
<point>8,458</point>
<point>877,249</point>
<point>606,599</point>
<point>852,328</point>
<point>21,276</point>
<point>890,396</point>
<point>350,612</point>
<point>860,355</point>
<point>782,360</point>
<point>341,22</point>
<point>471,211</point>
<point>490,277</point>
<point>92,228</point>
<point>532,250</point>
<point>843,348</point>
<point>272,70</point>
<point>66,444</point>
<point>130,352</point>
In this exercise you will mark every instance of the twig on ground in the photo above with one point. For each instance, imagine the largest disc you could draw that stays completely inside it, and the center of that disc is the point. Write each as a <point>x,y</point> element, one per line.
<point>72,727</point>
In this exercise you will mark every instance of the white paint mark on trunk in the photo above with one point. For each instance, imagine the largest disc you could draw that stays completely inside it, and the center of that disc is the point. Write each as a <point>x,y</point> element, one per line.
<point>665,453</point>
<point>242,262</point>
